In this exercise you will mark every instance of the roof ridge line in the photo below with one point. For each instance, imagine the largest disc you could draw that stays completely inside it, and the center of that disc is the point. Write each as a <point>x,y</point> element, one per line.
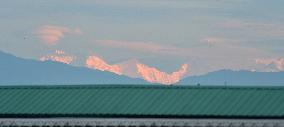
<point>121,86</point>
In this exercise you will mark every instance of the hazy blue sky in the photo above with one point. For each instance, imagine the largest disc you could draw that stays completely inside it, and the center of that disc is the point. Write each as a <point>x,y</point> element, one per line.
<point>207,35</point>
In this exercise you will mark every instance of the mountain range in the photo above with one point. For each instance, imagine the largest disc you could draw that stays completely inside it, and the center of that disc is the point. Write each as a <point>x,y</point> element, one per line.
<point>237,78</point>
<point>19,71</point>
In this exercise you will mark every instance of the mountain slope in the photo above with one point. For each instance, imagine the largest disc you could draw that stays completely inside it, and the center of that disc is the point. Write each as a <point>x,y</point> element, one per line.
<point>18,71</point>
<point>229,77</point>
<point>135,69</point>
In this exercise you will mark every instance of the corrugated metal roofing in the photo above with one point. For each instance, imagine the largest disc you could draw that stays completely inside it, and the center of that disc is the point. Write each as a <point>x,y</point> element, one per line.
<point>141,101</point>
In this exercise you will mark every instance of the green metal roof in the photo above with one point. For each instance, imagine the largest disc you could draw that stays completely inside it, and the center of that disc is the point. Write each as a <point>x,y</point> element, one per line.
<point>141,101</point>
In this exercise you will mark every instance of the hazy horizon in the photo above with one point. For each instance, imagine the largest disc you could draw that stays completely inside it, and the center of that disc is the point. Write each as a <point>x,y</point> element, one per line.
<point>169,39</point>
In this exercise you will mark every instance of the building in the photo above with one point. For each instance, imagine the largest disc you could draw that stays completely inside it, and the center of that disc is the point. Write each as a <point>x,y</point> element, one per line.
<point>141,106</point>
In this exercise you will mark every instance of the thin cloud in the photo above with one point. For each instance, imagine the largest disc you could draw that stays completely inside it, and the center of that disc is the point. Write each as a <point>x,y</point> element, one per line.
<point>140,46</point>
<point>52,34</point>
<point>230,46</point>
<point>258,28</point>
<point>212,40</point>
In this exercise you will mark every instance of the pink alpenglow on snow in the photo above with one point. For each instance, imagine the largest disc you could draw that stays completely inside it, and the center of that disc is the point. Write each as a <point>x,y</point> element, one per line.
<point>59,56</point>
<point>137,70</point>
<point>153,75</point>
<point>98,63</point>
<point>278,63</point>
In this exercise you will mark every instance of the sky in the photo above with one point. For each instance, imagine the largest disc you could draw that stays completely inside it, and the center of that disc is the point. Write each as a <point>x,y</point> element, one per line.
<point>175,38</point>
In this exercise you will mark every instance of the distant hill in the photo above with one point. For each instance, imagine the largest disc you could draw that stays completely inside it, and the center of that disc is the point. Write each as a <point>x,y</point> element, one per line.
<point>229,77</point>
<point>18,71</point>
